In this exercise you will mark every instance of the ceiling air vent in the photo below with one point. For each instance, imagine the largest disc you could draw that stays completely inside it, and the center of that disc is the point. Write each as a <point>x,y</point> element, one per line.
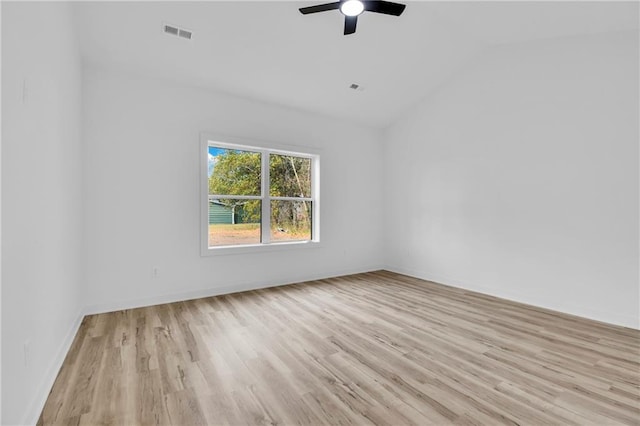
<point>170,30</point>
<point>184,34</point>
<point>176,31</point>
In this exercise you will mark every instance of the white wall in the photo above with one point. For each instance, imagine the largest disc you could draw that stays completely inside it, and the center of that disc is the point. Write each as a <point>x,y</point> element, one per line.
<point>519,178</point>
<point>142,175</point>
<point>41,201</point>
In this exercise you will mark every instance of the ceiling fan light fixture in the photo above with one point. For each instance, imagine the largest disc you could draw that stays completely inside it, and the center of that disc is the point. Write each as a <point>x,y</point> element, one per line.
<point>352,8</point>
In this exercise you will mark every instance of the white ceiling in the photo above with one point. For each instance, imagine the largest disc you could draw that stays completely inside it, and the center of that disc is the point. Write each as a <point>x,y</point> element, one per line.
<point>270,52</point>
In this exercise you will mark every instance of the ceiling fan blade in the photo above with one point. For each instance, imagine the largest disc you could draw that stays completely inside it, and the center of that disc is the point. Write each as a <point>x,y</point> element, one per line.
<point>350,24</point>
<point>386,7</point>
<point>320,8</point>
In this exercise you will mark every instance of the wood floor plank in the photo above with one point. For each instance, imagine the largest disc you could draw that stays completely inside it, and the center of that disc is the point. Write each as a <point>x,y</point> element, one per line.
<point>375,348</point>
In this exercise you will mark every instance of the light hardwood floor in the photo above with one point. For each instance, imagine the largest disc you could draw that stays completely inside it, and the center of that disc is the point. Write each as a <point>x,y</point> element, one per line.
<point>377,348</point>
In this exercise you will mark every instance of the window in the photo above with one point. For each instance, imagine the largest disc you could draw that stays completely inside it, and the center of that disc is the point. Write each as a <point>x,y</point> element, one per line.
<point>257,197</point>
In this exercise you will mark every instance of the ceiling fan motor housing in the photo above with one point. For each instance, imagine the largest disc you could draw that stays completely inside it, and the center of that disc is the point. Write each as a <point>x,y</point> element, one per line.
<point>351,9</point>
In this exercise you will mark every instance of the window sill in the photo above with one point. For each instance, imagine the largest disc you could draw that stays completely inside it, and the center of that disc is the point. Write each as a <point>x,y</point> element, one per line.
<point>259,248</point>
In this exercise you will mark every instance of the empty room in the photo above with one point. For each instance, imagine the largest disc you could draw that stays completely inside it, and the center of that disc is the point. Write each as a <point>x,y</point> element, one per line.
<point>301,212</point>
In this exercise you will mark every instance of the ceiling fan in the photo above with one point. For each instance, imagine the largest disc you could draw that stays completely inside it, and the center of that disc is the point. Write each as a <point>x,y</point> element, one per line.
<point>351,9</point>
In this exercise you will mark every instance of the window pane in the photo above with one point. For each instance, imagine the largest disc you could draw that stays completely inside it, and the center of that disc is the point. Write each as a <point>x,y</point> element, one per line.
<point>290,220</point>
<point>289,176</point>
<point>233,172</point>
<point>233,222</point>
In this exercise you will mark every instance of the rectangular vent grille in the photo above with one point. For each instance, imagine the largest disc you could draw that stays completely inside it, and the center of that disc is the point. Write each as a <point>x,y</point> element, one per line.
<point>184,34</point>
<point>170,30</point>
<point>176,31</point>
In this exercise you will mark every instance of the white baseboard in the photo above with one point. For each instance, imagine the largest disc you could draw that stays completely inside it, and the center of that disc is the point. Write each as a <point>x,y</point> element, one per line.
<point>613,318</point>
<point>216,291</point>
<point>47,382</point>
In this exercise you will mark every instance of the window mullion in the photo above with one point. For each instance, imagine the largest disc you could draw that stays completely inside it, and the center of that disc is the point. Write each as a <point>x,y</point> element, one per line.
<point>265,222</point>
<point>291,199</point>
<point>233,197</point>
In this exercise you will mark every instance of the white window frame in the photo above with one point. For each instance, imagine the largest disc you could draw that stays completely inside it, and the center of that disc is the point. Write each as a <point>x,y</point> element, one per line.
<point>264,148</point>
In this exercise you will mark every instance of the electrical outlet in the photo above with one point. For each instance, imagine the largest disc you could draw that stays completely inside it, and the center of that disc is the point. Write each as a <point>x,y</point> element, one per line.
<point>155,272</point>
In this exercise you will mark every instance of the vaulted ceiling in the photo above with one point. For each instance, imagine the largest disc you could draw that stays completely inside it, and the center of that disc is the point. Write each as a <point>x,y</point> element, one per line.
<point>270,52</point>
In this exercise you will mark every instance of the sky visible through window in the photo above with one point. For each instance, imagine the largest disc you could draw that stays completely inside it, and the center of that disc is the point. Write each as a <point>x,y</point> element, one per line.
<point>213,153</point>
